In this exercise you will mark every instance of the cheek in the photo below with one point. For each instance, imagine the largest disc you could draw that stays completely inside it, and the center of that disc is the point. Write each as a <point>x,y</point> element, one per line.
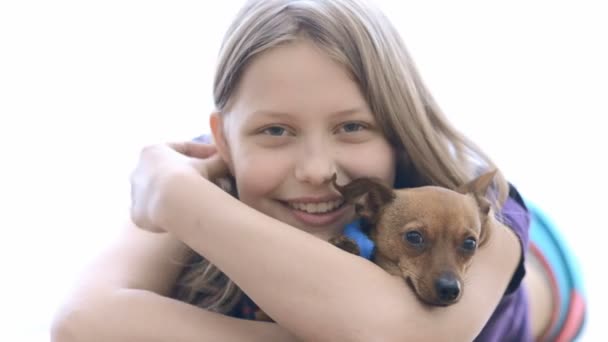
<point>418,266</point>
<point>465,261</point>
<point>375,159</point>
<point>391,244</point>
<point>257,175</point>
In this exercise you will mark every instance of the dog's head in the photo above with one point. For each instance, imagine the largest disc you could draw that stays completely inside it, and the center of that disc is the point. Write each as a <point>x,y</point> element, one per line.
<point>429,234</point>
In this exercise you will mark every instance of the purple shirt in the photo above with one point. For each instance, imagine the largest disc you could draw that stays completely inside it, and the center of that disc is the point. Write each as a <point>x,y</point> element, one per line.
<point>510,320</point>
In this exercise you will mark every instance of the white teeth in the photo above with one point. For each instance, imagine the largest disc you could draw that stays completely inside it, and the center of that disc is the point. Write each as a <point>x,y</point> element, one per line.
<point>317,208</point>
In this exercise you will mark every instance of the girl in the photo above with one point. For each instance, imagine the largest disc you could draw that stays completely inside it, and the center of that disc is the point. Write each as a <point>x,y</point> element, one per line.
<point>304,90</point>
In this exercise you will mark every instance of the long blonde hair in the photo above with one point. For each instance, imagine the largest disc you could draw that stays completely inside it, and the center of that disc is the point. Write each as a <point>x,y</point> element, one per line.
<point>360,38</point>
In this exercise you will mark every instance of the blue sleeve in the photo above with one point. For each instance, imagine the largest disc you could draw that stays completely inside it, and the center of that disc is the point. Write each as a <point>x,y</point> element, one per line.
<point>204,138</point>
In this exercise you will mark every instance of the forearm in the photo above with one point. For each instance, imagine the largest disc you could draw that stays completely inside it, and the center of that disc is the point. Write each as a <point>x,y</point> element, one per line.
<point>338,296</point>
<point>137,315</point>
<point>335,293</point>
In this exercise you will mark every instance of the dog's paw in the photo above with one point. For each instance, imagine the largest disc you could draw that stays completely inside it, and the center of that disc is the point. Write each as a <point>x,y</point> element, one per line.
<point>345,243</point>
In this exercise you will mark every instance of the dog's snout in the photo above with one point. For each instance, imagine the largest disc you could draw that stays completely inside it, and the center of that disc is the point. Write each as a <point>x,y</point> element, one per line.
<point>448,288</point>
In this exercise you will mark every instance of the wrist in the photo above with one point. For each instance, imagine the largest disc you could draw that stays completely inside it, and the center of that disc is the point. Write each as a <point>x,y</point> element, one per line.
<point>171,203</point>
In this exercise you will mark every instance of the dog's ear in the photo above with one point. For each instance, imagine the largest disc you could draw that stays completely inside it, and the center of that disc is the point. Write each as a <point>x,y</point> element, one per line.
<point>368,195</point>
<point>479,188</point>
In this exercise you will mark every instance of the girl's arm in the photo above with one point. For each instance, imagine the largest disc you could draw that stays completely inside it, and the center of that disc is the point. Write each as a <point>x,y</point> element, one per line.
<point>121,299</point>
<point>317,291</point>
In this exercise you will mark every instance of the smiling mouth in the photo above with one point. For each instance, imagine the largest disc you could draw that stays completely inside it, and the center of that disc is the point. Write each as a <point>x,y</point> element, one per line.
<point>319,215</point>
<point>316,208</point>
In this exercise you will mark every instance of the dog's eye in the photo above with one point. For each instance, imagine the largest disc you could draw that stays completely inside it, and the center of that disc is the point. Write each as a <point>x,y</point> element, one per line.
<point>414,238</point>
<point>469,244</point>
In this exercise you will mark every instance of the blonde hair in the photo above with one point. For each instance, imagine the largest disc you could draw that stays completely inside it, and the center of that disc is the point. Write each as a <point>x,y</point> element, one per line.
<point>359,37</point>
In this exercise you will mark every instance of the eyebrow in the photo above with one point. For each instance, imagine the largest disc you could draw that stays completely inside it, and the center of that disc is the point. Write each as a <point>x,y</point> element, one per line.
<point>339,113</point>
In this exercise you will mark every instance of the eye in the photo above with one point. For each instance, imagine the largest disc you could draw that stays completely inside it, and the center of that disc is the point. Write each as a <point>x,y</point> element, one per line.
<point>351,127</point>
<point>469,244</point>
<point>414,238</point>
<point>276,131</point>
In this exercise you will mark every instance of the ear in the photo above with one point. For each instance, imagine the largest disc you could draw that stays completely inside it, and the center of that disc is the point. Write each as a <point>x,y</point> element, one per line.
<point>478,187</point>
<point>217,123</point>
<point>377,195</point>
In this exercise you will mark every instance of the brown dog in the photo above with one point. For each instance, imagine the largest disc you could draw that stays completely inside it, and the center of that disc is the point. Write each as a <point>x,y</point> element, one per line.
<point>427,235</point>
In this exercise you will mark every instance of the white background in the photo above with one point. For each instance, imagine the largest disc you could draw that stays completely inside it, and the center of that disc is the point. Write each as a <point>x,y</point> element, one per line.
<point>83,85</point>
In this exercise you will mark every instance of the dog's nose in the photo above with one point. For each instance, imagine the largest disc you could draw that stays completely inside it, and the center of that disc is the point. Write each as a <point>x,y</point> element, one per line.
<point>448,288</point>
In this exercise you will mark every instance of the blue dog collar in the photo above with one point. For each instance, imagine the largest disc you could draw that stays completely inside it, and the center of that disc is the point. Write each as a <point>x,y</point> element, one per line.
<point>354,232</point>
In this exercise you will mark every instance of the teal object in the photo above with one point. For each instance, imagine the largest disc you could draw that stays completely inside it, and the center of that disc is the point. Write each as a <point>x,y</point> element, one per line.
<point>565,268</point>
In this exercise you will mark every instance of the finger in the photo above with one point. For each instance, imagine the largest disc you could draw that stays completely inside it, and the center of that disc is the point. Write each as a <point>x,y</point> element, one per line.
<point>194,149</point>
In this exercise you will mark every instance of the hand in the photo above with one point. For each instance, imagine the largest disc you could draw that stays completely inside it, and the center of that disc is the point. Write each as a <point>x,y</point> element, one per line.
<point>158,165</point>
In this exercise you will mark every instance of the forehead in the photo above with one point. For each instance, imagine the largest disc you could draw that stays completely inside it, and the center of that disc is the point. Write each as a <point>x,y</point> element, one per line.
<point>296,77</point>
<point>437,207</point>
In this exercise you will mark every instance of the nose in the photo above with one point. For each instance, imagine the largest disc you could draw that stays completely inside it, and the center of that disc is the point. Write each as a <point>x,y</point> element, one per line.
<point>447,288</point>
<point>316,164</point>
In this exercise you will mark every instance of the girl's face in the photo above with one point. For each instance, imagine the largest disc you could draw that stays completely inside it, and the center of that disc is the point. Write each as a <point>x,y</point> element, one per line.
<point>296,119</point>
